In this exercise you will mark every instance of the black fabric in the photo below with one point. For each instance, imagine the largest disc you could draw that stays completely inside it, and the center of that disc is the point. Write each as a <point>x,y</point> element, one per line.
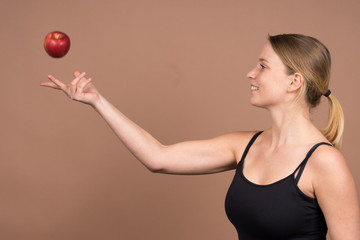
<point>276,211</point>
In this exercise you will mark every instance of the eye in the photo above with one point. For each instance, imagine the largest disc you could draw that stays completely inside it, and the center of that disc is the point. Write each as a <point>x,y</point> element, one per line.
<point>262,67</point>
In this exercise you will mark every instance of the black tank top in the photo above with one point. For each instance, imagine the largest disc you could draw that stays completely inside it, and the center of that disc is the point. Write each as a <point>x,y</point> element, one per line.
<point>276,211</point>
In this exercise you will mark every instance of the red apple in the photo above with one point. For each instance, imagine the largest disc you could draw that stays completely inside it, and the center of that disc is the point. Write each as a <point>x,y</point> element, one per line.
<point>57,44</point>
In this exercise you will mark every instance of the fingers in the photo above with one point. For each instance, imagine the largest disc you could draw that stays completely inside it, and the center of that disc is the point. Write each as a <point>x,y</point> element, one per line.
<point>79,91</point>
<point>80,87</point>
<point>85,83</point>
<point>78,78</point>
<point>49,84</point>
<point>76,73</point>
<point>74,90</point>
<point>54,83</point>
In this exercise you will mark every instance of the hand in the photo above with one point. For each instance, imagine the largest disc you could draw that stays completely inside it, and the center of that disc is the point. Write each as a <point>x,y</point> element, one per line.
<point>80,89</point>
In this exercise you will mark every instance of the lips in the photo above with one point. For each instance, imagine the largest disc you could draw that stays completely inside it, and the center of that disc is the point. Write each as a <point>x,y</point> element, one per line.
<point>254,88</point>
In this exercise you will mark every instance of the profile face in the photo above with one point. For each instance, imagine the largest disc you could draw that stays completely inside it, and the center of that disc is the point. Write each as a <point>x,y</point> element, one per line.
<point>269,79</point>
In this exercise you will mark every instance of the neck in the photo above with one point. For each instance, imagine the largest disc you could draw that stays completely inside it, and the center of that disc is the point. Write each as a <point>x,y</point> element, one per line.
<point>290,125</point>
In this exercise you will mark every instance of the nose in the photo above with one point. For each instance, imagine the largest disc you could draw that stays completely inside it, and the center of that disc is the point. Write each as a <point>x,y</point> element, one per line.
<point>251,74</point>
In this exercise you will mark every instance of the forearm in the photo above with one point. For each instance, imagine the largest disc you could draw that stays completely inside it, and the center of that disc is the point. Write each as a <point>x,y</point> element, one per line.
<point>140,143</point>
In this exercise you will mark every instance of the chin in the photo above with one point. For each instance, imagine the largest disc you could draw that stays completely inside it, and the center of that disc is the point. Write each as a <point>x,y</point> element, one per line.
<point>257,103</point>
<point>254,102</point>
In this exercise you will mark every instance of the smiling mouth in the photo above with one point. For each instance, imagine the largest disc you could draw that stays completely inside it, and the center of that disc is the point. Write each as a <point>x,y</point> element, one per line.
<point>254,88</point>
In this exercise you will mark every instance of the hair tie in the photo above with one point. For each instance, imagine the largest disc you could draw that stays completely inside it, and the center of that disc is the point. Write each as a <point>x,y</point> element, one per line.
<point>327,94</point>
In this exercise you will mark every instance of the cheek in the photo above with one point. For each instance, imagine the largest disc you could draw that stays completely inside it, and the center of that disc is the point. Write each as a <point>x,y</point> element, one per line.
<point>278,92</point>
<point>274,89</point>
<point>279,83</point>
<point>278,89</point>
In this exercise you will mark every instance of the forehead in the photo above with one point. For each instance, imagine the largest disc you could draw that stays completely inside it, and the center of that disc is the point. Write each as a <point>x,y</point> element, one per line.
<point>268,54</point>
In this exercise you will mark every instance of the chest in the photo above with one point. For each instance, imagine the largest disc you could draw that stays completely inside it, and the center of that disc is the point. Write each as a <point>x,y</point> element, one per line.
<point>276,211</point>
<point>262,167</point>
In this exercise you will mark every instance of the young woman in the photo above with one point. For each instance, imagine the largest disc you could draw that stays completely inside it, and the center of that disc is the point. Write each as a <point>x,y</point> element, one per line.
<point>291,181</point>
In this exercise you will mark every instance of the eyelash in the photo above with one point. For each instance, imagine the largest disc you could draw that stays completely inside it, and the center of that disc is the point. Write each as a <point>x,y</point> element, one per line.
<point>262,67</point>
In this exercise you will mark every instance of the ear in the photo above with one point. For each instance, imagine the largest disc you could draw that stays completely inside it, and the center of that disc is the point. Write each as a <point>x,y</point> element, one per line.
<point>296,81</point>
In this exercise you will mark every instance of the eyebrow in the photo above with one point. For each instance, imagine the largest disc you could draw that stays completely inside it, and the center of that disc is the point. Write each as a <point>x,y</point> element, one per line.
<point>263,60</point>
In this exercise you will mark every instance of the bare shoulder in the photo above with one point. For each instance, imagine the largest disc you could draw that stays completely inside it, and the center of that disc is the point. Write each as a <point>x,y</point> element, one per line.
<point>238,135</point>
<point>328,161</point>
<point>237,141</point>
<point>331,174</point>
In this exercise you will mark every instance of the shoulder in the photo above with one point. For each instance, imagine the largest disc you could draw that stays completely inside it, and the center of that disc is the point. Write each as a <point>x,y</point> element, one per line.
<point>239,135</point>
<point>330,172</point>
<point>236,141</point>
<point>336,193</point>
<point>237,138</point>
<point>327,160</point>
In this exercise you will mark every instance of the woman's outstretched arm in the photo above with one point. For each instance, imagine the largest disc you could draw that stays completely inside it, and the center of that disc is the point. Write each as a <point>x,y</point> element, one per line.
<point>190,157</point>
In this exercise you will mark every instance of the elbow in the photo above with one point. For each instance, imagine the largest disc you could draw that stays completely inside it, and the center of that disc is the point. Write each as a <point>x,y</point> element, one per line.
<point>157,163</point>
<point>155,168</point>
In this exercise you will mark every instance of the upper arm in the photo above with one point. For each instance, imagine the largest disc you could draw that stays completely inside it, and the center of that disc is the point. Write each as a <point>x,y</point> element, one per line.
<point>203,156</point>
<point>336,193</point>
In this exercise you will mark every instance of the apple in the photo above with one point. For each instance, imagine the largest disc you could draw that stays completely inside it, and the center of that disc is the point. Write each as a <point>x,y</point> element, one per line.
<point>57,44</point>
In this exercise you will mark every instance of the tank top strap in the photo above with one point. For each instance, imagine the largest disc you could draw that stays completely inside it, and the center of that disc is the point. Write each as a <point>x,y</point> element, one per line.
<point>303,163</point>
<point>252,140</point>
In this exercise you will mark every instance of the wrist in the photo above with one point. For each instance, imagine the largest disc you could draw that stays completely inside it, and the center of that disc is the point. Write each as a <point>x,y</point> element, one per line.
<point>99,103</point>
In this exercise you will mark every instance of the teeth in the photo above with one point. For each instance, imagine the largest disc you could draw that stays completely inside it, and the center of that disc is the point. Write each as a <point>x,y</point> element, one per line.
<point>254,88</point>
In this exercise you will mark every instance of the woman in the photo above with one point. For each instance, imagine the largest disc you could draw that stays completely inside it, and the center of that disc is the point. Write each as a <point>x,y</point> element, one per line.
<point>291,182</point>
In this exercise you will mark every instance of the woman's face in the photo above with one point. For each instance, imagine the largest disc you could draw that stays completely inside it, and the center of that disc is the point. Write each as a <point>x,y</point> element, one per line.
<point>269,80</point>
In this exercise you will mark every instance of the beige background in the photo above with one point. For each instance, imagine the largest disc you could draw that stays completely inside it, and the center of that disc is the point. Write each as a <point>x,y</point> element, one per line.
<point>178,69</point>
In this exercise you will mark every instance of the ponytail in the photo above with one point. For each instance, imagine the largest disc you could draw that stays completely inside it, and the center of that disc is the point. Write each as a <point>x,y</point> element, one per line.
<point>335,127</point>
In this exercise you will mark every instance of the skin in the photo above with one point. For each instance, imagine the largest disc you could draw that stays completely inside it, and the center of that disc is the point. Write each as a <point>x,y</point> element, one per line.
<point>274,155</point>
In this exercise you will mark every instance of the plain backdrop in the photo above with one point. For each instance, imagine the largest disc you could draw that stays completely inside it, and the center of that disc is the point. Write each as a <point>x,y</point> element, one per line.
<point>178,69</point>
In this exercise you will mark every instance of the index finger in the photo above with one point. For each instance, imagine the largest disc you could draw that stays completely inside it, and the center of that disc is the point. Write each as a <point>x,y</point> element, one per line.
<point>57,82</point>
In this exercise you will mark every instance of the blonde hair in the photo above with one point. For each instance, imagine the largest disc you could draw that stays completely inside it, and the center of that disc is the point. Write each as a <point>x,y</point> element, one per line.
<point>309,57</point>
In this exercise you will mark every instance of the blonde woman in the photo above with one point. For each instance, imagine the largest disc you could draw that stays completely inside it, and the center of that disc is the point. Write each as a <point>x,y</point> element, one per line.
<point>291,181</point>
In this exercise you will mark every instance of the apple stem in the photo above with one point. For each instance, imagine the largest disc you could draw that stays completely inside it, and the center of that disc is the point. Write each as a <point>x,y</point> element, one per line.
<point>57,36</point>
